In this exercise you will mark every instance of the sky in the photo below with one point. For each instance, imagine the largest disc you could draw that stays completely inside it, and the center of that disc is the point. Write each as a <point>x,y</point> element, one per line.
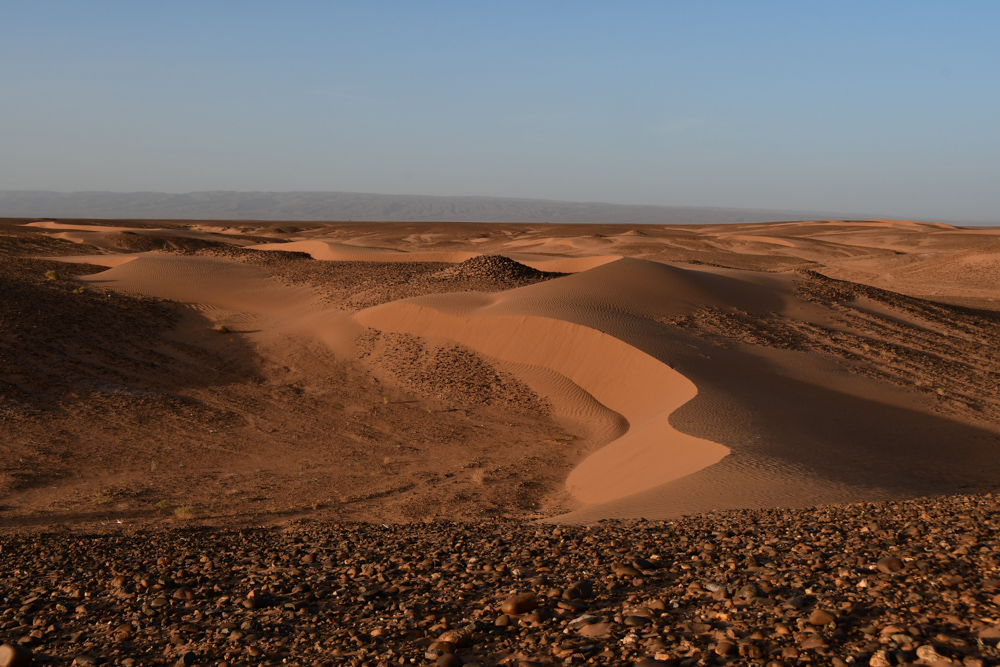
<point>886,107</point>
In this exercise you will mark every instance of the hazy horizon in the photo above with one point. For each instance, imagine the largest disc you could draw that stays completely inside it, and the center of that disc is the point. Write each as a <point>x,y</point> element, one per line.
<point>885,109</point>
<point>357,206</point>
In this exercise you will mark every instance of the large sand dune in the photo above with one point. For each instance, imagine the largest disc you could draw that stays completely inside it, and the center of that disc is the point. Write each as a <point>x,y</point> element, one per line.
<point>414,371</point>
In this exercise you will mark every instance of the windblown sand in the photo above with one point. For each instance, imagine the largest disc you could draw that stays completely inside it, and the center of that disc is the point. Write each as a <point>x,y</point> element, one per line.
<point>237,374</point>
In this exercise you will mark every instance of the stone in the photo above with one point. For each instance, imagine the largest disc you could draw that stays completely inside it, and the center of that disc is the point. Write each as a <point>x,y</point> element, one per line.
<point>457,637</point>
<point>880,659</point>
<point>449,660</point>
<point>635,621</point>
<point>586,619</point>
<point>442,647</point>
<point>183,594</point>
<point>519,604</point>
<point>579,590</point>
<point>595,630</point>
<point>889,565</point>
<point>930,654</point>
<point>12,655</point>
<point>725,648</point>
<point>821,617</point>
<point>990,634</point>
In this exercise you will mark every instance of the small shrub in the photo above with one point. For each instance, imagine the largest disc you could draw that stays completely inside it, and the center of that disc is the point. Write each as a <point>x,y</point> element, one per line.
<point>161,504</point>
<point>222,328</point>
<point>79,290</point>
<point>101,499</point>
<point>183,512</point>
<point>51,275</point>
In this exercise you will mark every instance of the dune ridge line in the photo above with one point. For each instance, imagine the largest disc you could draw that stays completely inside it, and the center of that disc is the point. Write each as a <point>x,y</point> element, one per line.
<point>623,378</point>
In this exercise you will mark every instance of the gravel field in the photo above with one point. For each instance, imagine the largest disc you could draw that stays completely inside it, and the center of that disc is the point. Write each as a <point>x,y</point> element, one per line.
<point>868,584</point>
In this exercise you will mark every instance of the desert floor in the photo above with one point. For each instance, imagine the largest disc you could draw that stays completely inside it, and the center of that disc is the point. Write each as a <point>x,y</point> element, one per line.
<point>236,373</point>
<point>492,444</point>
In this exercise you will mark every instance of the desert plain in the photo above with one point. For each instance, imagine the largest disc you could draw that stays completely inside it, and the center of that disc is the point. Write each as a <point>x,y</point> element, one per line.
<point>306,443</point>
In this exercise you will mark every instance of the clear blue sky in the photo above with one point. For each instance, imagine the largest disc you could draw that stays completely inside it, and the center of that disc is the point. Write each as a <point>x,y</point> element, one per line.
<point>877,107</point>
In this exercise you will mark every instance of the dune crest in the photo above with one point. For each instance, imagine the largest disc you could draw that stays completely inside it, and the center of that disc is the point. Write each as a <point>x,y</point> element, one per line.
<point>624,379</point>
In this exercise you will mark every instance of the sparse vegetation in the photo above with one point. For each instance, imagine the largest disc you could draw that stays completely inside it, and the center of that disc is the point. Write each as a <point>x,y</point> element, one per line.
<point>183,512</point>
<point>161,504</point>
<point>51,275</point>
<point>101,499</point>
<point>79,290</point>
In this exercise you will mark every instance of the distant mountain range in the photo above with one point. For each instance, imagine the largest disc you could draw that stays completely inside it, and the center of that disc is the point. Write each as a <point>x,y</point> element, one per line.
<point>337,206</point>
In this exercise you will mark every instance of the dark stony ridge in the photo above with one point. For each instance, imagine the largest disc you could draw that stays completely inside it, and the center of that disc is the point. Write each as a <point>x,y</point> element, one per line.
<point>494,272</point>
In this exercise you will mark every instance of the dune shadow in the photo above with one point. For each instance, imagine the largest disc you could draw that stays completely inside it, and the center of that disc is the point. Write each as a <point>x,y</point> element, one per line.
<point>851,431</point>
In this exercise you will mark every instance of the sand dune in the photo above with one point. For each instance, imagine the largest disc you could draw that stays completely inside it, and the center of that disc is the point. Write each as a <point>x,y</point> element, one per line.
<point>201,281</point>
<point>348,252</point>
<point>666,371</point>
<point>644,391</point>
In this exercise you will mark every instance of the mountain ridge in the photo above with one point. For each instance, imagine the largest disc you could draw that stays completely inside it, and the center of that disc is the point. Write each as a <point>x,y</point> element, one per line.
<point>358,206</point>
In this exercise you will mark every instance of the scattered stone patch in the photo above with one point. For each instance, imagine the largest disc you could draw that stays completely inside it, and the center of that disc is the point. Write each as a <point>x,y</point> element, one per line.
<point>450,372</point>
<point>938,349</point>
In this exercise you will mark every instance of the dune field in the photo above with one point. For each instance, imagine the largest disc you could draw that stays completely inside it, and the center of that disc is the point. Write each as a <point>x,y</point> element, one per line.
<point>493,444</point>
<point>234,372</point>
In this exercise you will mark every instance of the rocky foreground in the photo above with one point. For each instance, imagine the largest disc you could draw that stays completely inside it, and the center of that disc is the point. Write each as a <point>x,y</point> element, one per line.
<point>877,584</point>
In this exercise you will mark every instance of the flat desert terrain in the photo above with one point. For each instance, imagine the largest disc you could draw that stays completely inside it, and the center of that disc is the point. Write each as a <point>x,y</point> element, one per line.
<point>483,444</point>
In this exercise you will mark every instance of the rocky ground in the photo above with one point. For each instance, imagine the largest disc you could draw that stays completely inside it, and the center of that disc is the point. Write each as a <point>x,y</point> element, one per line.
<point>877,584</point>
